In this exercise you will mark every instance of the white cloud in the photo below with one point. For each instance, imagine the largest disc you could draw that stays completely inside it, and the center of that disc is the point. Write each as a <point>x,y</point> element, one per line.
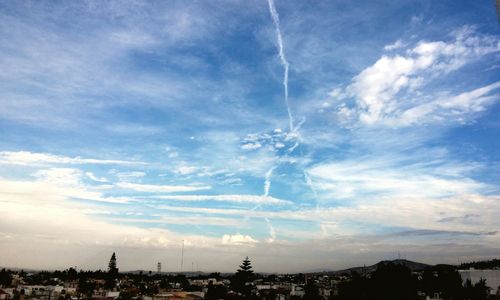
<point>237,239</point>
<point>56,185</point>
<point>419,213</point>
<point>95,178</point>
<point>151,188</point>
<point>226,198</point>
<point>453,107</point>
<point>251,146</point>
<point>131,175</point>
<point>365,179</point>
<point>62,224</point>
<point>180,220</point>
<point>69,224</point>
<point>30,158</point>
<point>276,140</point>
<point>282,215</point>
<point>396,45</point>
<point>378,89</point>
<point>133,129</point>
<point>186,170</point>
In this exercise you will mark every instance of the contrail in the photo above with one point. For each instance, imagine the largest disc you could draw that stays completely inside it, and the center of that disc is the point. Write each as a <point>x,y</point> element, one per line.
<point>272,231</point>
<point>267,182</point>
<point>267,187</point>
<point>311,186</point>
<point>284,62</point>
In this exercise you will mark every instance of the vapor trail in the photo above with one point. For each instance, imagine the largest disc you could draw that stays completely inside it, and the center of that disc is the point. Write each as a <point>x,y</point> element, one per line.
<point>284,62</point>
<point>267,182</point>
<point>272,231</point>
<point>311,186</point>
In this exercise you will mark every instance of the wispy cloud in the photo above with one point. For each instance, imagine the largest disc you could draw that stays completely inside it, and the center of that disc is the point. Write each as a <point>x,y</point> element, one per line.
<point>95,178</point>
<point>387,91</point>
<point>365,179</point>
<point>32,158</point>
<point>151,188</point>
<point>226,198</point>
<point>396,45</point>
<point>55,185</point>
<point>183,220</point>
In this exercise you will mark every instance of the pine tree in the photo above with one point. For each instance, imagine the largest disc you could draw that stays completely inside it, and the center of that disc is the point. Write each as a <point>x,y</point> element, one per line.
<point>112,273</point>
<point>241,280</point>
<point>246,267</point>
<point>112,269</point>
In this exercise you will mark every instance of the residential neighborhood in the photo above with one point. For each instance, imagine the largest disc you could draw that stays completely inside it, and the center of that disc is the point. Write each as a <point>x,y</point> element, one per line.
<point>398,279</point>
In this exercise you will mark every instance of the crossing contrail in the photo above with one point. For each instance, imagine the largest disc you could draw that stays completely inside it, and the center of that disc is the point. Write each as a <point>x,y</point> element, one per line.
<point>284,62</point>
<point>294,131</point>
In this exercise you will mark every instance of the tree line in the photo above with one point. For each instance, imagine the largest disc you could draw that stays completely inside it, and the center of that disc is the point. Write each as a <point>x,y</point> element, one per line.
<point>394,282</point>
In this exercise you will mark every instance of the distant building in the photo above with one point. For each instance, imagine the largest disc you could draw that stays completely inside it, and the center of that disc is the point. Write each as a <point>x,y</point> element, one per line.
<point>297,291</point>
<point>112,295</point>
<point>179,295</point>
<point>435,296</point>
<point>4,295</point>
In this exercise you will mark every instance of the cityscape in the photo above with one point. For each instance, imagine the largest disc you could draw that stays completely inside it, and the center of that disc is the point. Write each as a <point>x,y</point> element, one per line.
<point>250,149</point>
<point>396,279</point>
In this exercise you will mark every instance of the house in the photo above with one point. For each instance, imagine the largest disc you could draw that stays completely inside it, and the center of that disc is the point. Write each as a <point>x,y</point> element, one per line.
<point>297,291</point>
<point>436,296</point>
<point>4,295</point>
<point>112,295</point>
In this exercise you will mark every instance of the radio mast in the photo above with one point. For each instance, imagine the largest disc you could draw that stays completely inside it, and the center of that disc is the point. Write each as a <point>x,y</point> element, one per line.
<point>182,255</point>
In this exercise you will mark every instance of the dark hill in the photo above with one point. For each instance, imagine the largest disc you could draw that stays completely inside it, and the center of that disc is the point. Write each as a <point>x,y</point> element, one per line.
<point>412,265</point>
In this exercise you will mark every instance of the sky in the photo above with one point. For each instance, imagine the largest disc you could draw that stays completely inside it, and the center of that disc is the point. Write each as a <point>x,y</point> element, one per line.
<point>307,135</point>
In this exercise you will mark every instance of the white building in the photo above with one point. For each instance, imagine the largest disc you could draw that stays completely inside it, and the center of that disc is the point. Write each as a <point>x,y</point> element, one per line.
<point>297,291</point>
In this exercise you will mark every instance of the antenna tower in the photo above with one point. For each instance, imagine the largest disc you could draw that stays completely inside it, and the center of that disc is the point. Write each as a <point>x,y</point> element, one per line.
<point>182,255</point>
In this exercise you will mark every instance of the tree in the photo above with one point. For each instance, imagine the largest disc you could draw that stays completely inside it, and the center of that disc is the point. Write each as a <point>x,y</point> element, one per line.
<point>311,291</point>
<point>478,291</point>
<point>240,282</point>
<point>112,273</point>
<point>357,288</point>
<point>86,287</point>
<point>216,292</point>
<point>246,267</point>
<point>112,269</point>
<point>393,282</point>
<point>72,274</point>
<point>5,278</point>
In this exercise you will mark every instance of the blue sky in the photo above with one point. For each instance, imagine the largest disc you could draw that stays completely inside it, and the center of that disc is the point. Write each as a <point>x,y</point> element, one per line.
<point>363,128</point>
